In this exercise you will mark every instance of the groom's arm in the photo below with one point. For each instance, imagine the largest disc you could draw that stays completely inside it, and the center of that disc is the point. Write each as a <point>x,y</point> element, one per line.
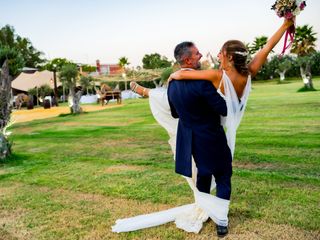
<point>216,102</point>
<point>174,113</point>
<point>173,110</point>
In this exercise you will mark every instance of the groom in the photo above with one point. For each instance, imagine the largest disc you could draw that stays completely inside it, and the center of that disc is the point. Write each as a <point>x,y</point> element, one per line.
<point>198,106</point>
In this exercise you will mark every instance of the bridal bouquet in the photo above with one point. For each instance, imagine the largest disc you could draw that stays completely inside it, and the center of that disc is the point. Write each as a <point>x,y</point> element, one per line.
<point>288,9</point>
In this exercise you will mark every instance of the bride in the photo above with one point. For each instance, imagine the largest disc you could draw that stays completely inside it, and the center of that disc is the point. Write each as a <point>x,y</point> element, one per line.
<point>233,82</point>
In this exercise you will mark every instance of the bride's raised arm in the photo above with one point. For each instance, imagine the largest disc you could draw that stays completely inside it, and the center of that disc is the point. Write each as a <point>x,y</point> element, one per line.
<point>260,58</point>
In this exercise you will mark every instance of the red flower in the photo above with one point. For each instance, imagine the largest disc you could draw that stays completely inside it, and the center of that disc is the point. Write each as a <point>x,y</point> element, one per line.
<point>302,5</point>
<point>288,15</point>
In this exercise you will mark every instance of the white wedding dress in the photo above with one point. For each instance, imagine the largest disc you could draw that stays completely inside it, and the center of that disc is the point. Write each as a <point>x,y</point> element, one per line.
<point>191,217</point>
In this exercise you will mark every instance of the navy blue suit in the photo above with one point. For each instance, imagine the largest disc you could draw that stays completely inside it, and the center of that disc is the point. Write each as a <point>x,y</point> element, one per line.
<point>198,106</point>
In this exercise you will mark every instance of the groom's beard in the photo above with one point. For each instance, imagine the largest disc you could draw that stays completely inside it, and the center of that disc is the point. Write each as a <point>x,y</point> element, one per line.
<point>198,66</point>
<point>195,66</point>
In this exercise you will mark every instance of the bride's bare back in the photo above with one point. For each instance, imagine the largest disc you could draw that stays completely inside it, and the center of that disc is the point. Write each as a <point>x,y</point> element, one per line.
<point>239,82</point>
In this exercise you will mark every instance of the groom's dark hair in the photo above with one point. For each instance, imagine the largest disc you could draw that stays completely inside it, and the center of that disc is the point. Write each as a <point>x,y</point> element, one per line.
<point>182,50</point>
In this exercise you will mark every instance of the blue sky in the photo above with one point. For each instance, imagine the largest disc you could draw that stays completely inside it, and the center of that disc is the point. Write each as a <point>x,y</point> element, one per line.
<point>84,31</point>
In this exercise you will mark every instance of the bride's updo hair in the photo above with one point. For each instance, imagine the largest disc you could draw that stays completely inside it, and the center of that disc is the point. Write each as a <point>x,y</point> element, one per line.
<point>239,54</point>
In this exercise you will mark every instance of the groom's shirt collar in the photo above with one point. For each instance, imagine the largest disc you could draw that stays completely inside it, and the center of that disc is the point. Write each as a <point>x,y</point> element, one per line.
<point>187,69</point>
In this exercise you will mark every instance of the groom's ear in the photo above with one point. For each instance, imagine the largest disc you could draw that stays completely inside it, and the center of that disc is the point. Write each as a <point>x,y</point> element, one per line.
<point>187,61</point>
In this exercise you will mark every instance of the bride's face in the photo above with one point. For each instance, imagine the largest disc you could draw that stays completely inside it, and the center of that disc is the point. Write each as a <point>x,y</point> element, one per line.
<point>221,57</point>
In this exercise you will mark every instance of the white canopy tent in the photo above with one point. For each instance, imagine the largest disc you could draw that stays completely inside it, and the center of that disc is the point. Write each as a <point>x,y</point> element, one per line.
<point>26,81</point>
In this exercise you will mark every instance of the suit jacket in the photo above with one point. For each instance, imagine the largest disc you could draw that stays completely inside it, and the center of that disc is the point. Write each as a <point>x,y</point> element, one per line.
<point>198,106</point>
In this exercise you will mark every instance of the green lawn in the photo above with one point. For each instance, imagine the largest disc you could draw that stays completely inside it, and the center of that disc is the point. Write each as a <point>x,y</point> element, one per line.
<point>71,177</point>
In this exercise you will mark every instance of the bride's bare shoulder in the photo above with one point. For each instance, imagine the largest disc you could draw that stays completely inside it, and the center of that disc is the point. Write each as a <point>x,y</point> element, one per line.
<point>216,76</point>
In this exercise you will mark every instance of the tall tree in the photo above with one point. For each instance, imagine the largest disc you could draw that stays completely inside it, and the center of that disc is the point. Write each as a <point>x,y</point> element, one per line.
<point>31,56</point>
<point>155,60</point>
<point>56,64</point>
<point>123,62</point>
<point>69,76</point>
<point>7,36</point>
<point>5,110</point>
<point>304,45</point>
<point>15,53</point>
<point>15,60</point>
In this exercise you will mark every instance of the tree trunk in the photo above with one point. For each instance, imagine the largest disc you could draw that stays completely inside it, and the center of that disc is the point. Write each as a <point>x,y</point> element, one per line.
<point>75,101</point>
<point>37,97</point>
<point>306,76</point>
<point>282,76</point>
<point>64,93</point>
<point>5,110</point>
<point>309,75</point>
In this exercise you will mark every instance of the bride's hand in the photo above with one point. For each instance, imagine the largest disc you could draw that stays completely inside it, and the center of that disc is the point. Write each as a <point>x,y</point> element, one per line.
<point>289,22</point>
<point>176,75</point>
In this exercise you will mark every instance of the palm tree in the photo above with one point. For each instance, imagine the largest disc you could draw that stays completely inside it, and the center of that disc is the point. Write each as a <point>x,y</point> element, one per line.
<point>258,44</point>
<point>304,45</point>
<point>123,62</point>
<point>247,45</point>
<point>304,41</point>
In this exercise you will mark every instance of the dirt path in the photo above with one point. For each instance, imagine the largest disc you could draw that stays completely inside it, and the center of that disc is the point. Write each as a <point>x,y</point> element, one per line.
<point>41,113</point>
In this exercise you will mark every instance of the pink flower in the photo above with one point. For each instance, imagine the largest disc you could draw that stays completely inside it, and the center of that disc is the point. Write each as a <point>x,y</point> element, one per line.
<point>288,15</point>
<point>302,5</point>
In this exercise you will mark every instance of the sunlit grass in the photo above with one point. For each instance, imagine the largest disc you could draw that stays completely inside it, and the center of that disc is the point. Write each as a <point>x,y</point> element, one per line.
<point>71,177</point>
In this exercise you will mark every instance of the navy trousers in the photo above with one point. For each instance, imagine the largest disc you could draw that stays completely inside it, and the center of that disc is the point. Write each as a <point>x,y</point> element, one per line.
<point>223,181</point>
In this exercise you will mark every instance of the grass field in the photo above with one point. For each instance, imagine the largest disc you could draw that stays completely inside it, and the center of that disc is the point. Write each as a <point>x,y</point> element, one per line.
<point>71,177</point>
